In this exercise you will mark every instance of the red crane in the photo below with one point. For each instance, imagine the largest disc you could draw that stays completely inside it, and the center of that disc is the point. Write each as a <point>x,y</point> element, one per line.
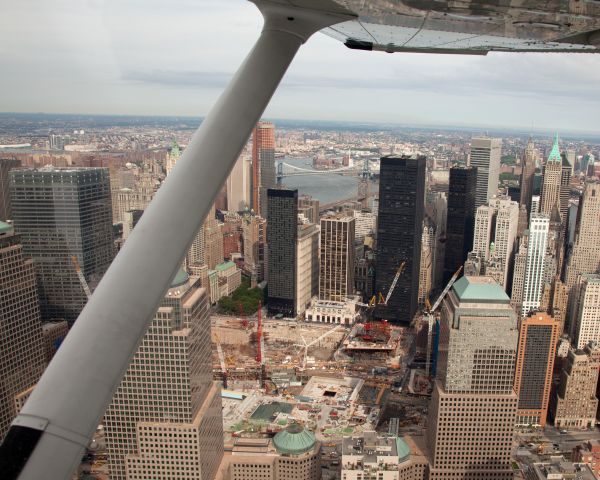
<point>243,316</point>
<point>259,335</point>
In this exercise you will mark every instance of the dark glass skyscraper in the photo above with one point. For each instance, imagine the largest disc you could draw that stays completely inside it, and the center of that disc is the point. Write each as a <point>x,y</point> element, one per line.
<point>62,213</point>
<point>399,230</point>
<point>461,218</point>
<point>282,234</point>
<point>6,164</point>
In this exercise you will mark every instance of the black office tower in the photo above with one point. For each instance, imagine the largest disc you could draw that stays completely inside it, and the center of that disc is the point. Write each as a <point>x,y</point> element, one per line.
<point>399,231</point>
<point>282,234</point>
<point>461,218</point>
<point>6,164</point>
<point>64,214</point>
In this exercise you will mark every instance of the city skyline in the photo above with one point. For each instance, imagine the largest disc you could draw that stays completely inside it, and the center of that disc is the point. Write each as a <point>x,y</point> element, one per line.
<point>114,66</point>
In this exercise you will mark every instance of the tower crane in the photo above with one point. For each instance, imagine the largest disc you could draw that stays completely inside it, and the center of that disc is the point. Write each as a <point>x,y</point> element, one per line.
<point>221,360</point>
<point>430,313</point>
<point>84,284</point>
<point>379,299</point>
<point>307,345</point>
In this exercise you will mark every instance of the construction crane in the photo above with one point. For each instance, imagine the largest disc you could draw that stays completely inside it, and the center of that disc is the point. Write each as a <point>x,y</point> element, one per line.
<point>430,313</point>
<point>243,315</point>
<point>379,299</point>
<point>306,346</point>
<point>221,360</point>
<point>86,288</point>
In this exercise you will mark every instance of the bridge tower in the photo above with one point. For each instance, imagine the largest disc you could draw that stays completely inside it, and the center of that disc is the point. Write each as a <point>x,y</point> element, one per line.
<point>279,174</point>
<point>363,185</point>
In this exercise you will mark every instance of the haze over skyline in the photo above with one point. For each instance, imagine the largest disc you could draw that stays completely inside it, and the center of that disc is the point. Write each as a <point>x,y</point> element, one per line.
<point>155,58</point>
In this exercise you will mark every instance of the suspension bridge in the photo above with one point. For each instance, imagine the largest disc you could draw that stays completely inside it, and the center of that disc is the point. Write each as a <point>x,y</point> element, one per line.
<point>287,170</point>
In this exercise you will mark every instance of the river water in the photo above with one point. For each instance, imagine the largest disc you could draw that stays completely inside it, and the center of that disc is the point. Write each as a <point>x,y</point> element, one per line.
<point>325,188</point>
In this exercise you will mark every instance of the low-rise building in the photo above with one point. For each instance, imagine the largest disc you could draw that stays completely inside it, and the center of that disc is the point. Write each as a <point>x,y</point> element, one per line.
<point>293,454</point>
<point>231,274</point>
<point>588,453</point>
<point>559,469</point>
<point>370,456</point>
<point>329,311</point>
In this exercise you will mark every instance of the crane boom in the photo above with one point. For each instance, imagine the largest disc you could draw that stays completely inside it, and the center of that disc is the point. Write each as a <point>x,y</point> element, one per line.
<point>446,290</point>
<point>86,288</point>
<point>394,282</point>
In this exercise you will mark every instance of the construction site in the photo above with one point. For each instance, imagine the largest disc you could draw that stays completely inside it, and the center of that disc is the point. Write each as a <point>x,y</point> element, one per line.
<point>336,379</point>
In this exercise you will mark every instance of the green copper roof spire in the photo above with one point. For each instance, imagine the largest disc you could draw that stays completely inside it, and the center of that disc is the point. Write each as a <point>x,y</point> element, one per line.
<point>555,153</point>
<point>175,149</point>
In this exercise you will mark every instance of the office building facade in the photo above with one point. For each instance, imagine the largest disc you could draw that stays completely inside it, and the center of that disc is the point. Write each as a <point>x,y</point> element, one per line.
<point>22,352</point>
<point>6,164</point>
<point>473,407</point>
<point>527,172</point>
<point>533,281</point>
<point>538,336</point>
<point>399,230</point>
<point>485,156</point>
<point>263,165</point>
<point>586,309</point>
<point>164,420</point>
<point>282,237</point>
<point>62,213</point>
<point>336,272</point>
<point>575,403</point>
<point>460,218</point>
<point>307,272</point>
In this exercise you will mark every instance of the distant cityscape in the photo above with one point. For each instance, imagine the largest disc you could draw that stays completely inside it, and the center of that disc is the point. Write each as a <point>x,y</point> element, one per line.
<point>362,302</point>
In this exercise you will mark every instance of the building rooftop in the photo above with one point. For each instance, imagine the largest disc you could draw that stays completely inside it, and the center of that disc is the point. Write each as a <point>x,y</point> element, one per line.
<point>560,469</point>
<point>294,440</point>
<point>480,290</point>
<point>221,267</point>
<point>5,228</point>
<point>555,152</point>
<point>181,278</point>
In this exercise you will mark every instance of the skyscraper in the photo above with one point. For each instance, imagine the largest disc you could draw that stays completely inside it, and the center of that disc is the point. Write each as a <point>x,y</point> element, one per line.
<point>527,172</point>
<point>164,420</point>
<point>586,310</point>
<point>399,230</point>
<point>534,268</point>
<point>585,255</point>
<point>336,273</point>
<point>473,407</point>
<point>485,155</point>
<point>254,240</point>
<point>518,280</point>
<point>22,353</point>
<point>282,235</point>
<point>427,260</point>
<point>238,184</point>
<point>6,164</point>
<point>62,213</point>
<point>496,226</point>
<point>460,219</point>
<point>556,179</point>
<point>538,336</point>
<point>307,271</point>
<point>263,165</point>
<point>574,404</point>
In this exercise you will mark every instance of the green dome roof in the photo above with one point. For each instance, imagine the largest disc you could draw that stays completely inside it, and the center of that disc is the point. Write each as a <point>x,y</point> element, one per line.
<point>181,278</point>
<point>294,440</point>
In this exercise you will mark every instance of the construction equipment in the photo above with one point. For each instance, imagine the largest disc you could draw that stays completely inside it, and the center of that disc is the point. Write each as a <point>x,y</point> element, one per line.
<point>307,345</point>
<point>221,360</point>
<point>84,284</point>
<point>243,316</point>
<point>430,314</point>
<point>379,298</point>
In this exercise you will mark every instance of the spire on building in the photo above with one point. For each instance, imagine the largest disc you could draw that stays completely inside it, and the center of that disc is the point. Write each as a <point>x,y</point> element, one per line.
<point>555,153</point>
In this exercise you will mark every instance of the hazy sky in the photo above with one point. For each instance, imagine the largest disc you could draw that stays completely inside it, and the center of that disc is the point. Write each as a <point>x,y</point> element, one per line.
<point>173,57</point>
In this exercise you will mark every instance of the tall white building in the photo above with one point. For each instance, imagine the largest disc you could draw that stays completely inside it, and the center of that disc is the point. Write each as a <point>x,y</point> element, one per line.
<point>164,421</point>
<point>496,227</point>
<point>534,268</point>
<point>307,265</point>
<point>485,155</point>
<point>238,183</point>
<point>586,324</point>
<point>365,223</point>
